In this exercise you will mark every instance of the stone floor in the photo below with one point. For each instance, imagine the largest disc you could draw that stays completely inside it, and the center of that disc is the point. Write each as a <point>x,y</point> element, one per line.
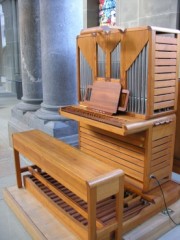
<point>10,227</point>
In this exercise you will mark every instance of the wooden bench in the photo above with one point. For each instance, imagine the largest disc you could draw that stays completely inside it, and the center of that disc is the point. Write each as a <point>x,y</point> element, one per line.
<point>91,180</point>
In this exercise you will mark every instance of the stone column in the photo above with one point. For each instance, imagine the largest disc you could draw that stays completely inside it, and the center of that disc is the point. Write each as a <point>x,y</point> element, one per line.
<point>22,115</point>
<point>1,52</point>
<point>61,21</point>
<point>29,31</point>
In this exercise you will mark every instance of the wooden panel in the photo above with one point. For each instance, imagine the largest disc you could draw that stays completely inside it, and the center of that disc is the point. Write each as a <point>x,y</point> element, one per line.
<point>101,151</point>
<point>108,42</point>
<point>177,140</point>
<point>165,62</point>
<point>88,49</point>
<point>107,143</point>
<point>163,173</point>
<point>164,83</point>
<point>133,43</point>
<point>119,144</point>
<point>168,40</point>
<point>166,69</point>
<point>160,147</point>
<point>164,104</point>
<point>150,75</point>
<point>165,158</point>
<point>165,54</point>
<point>113,154</point>
<point>128,157</point>
<point>160,154</point>
<point>163,131</point>
<point>166,97</point>
<point>137,139</point>
<point>166,47</point>
<point>161,166</point>
<point>127,170</point>
<point>161,141</point>
<point>158,91</point>
<point>165,76</point>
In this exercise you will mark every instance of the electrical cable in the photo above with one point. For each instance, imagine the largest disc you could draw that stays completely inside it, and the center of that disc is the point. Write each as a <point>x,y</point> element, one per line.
<point>153,177</point>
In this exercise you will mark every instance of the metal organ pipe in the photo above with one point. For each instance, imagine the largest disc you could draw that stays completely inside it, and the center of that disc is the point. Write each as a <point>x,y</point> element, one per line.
<point>85,76</point>
<point>137,83</point>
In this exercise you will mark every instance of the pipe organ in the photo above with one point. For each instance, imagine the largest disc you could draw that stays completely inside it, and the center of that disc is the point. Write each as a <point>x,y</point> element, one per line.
<point>144,60</point>
<point>127,92</point>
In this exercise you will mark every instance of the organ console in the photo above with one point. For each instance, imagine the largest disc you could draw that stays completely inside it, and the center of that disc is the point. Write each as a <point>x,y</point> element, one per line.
<point>144,63</point>
<point>138,135</point>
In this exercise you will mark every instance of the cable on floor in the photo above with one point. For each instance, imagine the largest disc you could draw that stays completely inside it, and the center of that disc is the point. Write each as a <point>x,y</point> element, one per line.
<point>154,177</point>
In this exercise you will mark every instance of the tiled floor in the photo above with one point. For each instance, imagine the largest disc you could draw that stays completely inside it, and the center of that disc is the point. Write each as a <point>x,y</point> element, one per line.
<point>10,227</point>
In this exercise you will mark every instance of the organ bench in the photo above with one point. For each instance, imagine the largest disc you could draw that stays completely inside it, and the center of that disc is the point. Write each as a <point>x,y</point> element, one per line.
<point>73,180</point>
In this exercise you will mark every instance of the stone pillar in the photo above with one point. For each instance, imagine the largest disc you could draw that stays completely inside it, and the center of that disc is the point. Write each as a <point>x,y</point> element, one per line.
<point>61,21</point>
<point>1,52</point>
<point>22,115</point>
<point>29,31</point>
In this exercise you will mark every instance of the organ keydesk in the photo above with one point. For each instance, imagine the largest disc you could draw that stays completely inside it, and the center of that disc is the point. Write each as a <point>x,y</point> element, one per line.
<point>139,136</point>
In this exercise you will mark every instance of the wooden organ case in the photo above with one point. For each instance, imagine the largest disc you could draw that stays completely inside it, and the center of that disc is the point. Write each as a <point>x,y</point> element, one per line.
<point>137,133</point>
<point>151,70</point>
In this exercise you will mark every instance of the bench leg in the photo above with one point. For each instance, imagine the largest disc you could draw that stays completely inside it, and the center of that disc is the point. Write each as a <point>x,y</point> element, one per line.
<point>18,168</point>
<point>119,210</point>
<point>91,200</point>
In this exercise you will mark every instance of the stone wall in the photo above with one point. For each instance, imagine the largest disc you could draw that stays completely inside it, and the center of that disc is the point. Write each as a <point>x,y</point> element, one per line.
<point>90,13</point>
<point>162,13</point>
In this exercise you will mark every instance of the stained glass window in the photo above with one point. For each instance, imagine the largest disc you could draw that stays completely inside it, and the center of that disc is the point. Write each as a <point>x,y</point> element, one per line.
<point>107,12</point>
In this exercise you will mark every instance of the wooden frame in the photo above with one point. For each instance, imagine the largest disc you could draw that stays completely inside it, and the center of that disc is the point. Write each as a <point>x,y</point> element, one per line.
<point>176,167</point>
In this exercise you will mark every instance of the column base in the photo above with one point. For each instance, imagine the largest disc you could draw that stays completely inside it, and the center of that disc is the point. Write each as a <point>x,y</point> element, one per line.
<point>61,128</point>
<point>25,107</point>
<point>47,115</point>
